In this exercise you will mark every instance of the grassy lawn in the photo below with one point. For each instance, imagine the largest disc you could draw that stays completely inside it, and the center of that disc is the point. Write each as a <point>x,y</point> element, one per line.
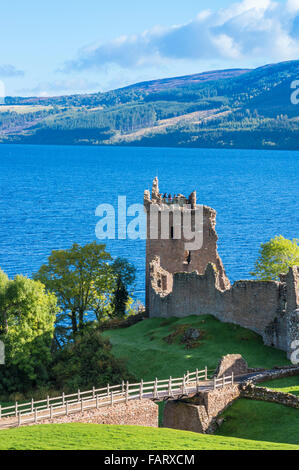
<point>103,437</point>
<point>150,356</point>
<point>248,424</point>
<point>261,421</point>
<point>286,385</point>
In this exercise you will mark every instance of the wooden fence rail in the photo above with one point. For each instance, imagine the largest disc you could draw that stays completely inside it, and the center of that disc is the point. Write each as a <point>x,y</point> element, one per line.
<point>34,411</point>
<point>223,381</point>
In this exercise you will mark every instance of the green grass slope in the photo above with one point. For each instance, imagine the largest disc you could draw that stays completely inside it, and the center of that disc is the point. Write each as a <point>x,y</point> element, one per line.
<point>150,356</point>
<point>261,421</point>
<point>286,385</point>
<point>103,437</point>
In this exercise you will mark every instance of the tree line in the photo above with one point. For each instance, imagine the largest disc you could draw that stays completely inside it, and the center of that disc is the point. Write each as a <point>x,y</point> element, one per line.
<point>51,324</point>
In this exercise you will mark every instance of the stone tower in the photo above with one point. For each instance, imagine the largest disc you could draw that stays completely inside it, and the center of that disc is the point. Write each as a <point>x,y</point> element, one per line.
<point>171,249</point>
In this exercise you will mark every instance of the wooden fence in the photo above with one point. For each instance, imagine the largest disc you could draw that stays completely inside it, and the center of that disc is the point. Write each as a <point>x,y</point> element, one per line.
<point>34,411</point>
<point>223,381</point>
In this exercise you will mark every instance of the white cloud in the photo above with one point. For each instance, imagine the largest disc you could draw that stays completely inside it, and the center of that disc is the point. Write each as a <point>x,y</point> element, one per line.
<point>7,71</point>
<point>293,5</point>
<point>251,30</point>
<point>61,87</point>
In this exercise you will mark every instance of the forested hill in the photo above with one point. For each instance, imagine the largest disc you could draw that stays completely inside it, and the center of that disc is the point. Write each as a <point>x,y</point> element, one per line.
<point>235,108</point>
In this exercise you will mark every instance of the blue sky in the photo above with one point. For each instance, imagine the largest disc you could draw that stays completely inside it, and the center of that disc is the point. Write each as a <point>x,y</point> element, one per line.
<point>50,48</point>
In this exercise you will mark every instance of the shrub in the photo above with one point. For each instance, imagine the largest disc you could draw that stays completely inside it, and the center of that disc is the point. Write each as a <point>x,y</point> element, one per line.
<point>88,362</point>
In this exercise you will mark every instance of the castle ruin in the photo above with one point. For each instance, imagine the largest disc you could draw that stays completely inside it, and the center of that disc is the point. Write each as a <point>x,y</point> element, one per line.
<point>181,283</point>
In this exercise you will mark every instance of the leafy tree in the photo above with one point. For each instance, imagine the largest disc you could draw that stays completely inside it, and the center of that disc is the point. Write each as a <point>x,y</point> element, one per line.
<point>88,362</point>
<point>82,279</point>
<point>276,256</point>
<point>120,299</point>
<point>125,274</point>
<point>27,315</point>
<point>3,312</point>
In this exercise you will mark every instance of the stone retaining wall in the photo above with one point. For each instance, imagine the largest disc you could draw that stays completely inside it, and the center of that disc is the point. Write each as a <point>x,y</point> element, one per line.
<point>135,413</point>
<point>199,413</point>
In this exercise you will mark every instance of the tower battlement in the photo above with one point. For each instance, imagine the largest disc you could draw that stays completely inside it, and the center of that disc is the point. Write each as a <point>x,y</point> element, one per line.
<point>167,199</point>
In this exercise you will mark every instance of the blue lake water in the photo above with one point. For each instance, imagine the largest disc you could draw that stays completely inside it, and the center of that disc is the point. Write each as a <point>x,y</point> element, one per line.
<point>48,197</point>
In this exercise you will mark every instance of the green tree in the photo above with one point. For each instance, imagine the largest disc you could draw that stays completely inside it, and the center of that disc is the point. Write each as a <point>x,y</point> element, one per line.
<point>82,279</point>
<point>88,362</point>
<point>125,274</point>
<point>276,256</point>
<point>27,317</point>
<point>3,311</point>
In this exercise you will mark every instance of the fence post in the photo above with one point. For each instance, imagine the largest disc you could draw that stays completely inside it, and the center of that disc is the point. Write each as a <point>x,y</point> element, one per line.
<point>215,383</point>
<point>19,418</point>
<point>16,408</point>
<point>206,373</point>
<point>197,379</point>
<point>51,411</point>
<point>141,389</point>
<point>156,388</point>
<point>232,378</point>
<point>35,415</point>
<point>97,401</point>
<point>48,401</point>
<point>67,408</point>
<point>127,392</point>
<point>184,385</point>
<point>169,387</point>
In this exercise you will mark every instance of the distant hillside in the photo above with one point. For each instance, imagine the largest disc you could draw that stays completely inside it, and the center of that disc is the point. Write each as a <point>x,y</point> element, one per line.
<point>234,108</point>
<point>158,85</point>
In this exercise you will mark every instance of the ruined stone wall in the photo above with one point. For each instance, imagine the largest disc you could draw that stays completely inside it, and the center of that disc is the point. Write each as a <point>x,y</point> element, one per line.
<point>274,374</point>
<point>253,392</point>
<point>181,282</point>
<point>264,307</point>
<point>292,320</point>
<point>231,364</point>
